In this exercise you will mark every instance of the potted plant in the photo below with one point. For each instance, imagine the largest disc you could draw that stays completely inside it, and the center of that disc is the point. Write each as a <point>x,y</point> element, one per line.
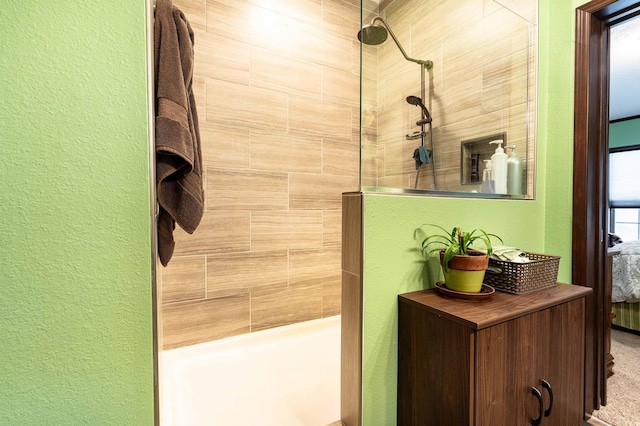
<point>462,265</point>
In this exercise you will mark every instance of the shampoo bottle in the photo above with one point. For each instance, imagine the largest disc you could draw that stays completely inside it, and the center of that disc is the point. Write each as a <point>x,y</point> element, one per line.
<point>487,178</point>
<point>514,173</point>
<point>499,165</point>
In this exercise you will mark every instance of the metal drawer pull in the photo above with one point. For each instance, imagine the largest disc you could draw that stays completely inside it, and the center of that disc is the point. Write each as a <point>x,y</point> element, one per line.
<point>538,395</point>
<point>547,386</point>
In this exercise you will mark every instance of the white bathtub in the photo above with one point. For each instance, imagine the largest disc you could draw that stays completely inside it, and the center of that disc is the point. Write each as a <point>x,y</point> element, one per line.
<point>286,376</point>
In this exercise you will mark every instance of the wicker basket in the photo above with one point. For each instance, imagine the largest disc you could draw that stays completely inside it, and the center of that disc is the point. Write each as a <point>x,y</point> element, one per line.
<point>518,278</point>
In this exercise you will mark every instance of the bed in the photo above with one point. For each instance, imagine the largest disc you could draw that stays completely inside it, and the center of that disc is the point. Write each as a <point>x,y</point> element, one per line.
<point>625,292</point>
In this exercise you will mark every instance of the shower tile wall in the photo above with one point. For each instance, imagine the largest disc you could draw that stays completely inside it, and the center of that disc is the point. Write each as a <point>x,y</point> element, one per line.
<point>277,89</point>
<point>477,87</point>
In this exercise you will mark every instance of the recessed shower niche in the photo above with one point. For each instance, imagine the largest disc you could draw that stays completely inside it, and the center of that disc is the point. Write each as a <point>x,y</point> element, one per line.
<point>436,74</point>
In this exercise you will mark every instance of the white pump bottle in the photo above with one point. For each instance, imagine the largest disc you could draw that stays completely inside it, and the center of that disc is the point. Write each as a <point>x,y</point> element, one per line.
<point>499,163</point>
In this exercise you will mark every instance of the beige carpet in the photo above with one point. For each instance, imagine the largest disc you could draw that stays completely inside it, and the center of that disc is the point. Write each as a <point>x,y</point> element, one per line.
<point>623,408</point>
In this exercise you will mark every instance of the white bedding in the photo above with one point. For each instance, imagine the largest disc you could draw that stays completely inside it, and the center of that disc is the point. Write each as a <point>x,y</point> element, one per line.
<point>626,273</point>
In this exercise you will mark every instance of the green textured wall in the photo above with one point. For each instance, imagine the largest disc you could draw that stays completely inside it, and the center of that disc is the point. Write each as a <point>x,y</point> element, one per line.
<point>624,133</point>
<point>542,225</point>
<point>75,247</point>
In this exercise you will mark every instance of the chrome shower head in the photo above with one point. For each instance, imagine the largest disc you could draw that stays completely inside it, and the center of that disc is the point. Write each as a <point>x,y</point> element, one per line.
<point>416,101</point>
<point>373,35</point>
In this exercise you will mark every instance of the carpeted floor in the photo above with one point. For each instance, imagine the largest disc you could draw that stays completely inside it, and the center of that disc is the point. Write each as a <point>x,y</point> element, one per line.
<point>623,408</point>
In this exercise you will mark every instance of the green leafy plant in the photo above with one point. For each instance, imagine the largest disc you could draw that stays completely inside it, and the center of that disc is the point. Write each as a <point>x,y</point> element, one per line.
<point>454,243</point>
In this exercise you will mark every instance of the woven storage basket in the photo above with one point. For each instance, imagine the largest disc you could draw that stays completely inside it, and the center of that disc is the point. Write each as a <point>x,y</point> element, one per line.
<point>517,278</point>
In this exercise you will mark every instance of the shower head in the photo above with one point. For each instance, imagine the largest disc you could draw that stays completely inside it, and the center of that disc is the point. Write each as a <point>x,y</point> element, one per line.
<point>372,35</point>
<point>416,101</point>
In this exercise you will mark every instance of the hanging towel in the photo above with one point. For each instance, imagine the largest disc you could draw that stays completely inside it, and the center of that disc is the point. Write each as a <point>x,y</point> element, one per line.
<point>422,156</point>
<point>177,138</point>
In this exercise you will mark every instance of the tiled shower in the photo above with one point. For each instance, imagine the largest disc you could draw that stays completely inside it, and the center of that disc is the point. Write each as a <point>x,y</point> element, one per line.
<point>277,89</point>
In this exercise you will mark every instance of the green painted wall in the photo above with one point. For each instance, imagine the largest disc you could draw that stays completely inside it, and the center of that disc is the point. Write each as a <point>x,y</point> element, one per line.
<point>75,251</point>
<point>624,133</point>
<point>544,225</point>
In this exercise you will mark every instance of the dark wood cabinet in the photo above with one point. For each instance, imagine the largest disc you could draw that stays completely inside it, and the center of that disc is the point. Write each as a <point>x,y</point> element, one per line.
<point>496,362</point>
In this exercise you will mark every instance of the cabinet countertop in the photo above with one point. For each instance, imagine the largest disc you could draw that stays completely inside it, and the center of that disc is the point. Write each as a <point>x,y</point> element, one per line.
<point>499,308</point>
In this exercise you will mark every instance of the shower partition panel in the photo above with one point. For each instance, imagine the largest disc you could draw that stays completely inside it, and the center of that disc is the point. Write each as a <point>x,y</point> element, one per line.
<point>471,65</point>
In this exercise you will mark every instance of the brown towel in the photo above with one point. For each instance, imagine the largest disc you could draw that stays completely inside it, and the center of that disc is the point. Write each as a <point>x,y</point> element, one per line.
<point>178,157</point>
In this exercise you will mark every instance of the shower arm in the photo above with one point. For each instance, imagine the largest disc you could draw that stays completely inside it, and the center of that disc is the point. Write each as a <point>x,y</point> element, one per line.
<point>427,64</point>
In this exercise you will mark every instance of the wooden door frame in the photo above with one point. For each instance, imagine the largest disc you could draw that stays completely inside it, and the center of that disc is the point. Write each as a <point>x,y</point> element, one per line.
<point>591,116</point>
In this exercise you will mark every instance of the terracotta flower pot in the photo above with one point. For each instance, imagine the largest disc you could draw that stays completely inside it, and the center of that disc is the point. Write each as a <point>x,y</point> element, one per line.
<point>466,273</point>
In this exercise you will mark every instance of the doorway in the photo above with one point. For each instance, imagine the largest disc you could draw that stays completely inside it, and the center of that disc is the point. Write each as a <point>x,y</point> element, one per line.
<point>591,118</point>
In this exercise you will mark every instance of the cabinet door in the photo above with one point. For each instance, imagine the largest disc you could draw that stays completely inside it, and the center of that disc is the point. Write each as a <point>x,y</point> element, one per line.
<point>561,362</point>
<point>434,369</point>
<point>516,356</point>
<point>505,373</point>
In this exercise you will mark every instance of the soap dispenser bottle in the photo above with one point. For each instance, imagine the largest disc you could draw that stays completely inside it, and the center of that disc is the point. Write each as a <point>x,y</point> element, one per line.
<point>487,178</point>
<point>514,173</point>
<point>499,165</point>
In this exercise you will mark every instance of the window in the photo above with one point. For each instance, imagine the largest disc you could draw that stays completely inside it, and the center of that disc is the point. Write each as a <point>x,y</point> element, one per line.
<point>624,192</point>
<point>624,178</point>
<point>625,223</point>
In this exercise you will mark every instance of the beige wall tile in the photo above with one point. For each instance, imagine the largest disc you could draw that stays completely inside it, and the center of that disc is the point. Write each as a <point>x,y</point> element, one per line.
<point>286,152</point>
<point>313,44</point>
<point>467,51</point>
<point>314,266</point>
<point>355,59</point>
<point>235,190</point>
<point>463,100</point>
<point>432,26</point>
<point>395,181</point>
<point>244,21</point>
<point>341,18</point>
<point>220,231</point>
<point>225,147</point>
<point>237,105</point>
<point>527,9</point>
<point>396,86</point>
<point>281,230</point>
<point>199,93</point>
<point>340,87</point>
<point>505,83</point>
<point>306,11</point>
<point>319,119</point>
<point>183,279</point>
<point>310,191</point>
<point>332,228</point>
<point>369,117</point>
<point>278,72</point>
<point>277,308</point>
<point>389,56</point>
<point>372,161</point>
<point>309,267</point>
<point>331,297</point>
<point>221,58</point>
<point>196,322</point>
<point>246,272</point>
<point>194,11</point>
<point>340,157</point>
